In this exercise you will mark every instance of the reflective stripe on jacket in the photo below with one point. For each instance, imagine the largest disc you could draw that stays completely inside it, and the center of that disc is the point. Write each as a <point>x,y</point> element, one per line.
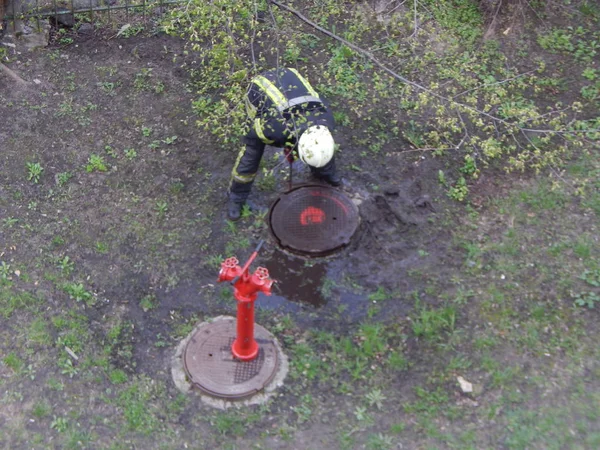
<point>279,91</point>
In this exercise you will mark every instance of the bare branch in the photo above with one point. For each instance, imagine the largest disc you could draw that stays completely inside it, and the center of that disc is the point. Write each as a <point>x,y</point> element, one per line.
<point>405,80</point>
<point>12,75</point>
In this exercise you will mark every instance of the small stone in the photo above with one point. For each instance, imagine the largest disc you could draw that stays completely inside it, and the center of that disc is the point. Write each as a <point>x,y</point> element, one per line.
<point>465,386</point>
<point>86,28</point>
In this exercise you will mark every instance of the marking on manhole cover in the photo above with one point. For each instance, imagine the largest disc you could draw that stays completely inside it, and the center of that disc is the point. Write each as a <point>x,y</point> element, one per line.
<point>312,215</point>
<point>313,220</point>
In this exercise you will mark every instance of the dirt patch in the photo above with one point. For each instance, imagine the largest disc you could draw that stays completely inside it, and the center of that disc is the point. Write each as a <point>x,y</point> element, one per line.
<point>112,211</point>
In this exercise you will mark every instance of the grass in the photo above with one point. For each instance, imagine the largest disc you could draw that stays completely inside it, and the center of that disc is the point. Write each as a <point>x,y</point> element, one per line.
<point>115,268</point>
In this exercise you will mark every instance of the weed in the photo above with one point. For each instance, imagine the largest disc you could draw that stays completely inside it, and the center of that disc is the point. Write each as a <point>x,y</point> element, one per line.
<point>67,367</point>
<point>5,271</point>
<point>130,153</point>
<point>108,87</point>
<point>176,187</point>
<point>134,402</point>
<point>161,208</point>
<point>376,398</point>
<point>214,261</point>
<point>78,292</point>
<point>34,172</point>
<point>380,441</point>
<point>129,30</point>
<point>63,178</point>
<point>380,295</point>
<point>41,409</point>
<point>39,333</point>
<point>66,265</point>
<point>170,140</point>
<point>148,302</point>
<point>430,323</point>
<point>229,424</point>
<point>589,299</point>
<point>60,424</point>
<point>460,190</point>
<point>9,222</point>
<point>146,131</point>
<point>55,385</point>
<point>117,376</point>
<point>101,247</point>
<point>96,164</point>
<point>304,409</point>
<point>13,362</point>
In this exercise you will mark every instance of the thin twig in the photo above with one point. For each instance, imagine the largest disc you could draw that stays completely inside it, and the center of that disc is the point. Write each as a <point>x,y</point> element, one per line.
<point>490,29</point>
<point>399,77</point>
<point>495,83</point>
<point>416,28</point>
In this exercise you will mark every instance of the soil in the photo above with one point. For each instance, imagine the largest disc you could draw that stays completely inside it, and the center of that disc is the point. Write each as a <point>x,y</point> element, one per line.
<point>152,226</point>
<point>84,100</point>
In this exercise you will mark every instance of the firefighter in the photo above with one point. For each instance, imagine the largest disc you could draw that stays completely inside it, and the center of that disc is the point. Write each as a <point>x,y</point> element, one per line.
<point>286,112</point>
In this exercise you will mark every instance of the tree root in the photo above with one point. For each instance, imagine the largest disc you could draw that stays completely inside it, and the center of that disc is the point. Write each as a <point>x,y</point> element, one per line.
<point>12,75</point>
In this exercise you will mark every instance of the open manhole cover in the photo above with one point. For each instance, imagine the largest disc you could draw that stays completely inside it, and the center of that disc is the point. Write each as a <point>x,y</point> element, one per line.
<point>211,367</point>
<point>313,220</point>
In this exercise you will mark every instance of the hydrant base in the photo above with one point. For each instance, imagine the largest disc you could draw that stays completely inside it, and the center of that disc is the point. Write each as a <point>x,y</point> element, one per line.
<point>211,366</point>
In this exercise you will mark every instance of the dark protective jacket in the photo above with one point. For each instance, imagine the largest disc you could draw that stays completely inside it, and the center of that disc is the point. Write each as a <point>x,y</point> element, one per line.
<point>281,105</point>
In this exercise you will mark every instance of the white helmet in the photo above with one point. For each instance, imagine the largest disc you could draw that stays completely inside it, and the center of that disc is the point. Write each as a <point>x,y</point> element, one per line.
<point>315,146</point>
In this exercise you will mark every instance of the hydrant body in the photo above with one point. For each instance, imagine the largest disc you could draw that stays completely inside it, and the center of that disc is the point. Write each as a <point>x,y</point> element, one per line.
<point>245,290</point>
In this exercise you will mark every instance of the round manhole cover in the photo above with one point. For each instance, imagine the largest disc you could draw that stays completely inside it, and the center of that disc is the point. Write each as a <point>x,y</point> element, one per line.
<point>210,365</point>
<point>313,220</point>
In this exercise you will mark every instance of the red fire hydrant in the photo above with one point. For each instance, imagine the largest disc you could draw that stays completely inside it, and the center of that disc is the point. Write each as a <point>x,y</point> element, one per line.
<point>245,291</point>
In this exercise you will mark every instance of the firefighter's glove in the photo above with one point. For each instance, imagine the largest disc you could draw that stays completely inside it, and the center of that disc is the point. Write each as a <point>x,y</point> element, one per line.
<point>289,154</point>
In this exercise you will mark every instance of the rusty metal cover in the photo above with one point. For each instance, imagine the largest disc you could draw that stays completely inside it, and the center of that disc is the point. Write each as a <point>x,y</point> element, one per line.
<point>313,220</point>
<point>210,365</point>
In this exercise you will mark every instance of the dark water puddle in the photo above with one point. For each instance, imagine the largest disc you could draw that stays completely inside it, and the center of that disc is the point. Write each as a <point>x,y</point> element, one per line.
<point>297,280</point>
<point>310,286</point>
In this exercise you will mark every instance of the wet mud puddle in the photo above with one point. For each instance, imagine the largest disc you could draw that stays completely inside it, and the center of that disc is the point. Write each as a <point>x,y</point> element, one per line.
<point>309,284</point>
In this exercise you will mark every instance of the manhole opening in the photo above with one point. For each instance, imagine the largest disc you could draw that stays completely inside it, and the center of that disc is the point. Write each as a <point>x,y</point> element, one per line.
<point>313,220</point>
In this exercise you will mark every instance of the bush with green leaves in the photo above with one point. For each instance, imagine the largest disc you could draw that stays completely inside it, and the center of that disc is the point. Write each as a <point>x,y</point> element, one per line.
<point>472,104</point>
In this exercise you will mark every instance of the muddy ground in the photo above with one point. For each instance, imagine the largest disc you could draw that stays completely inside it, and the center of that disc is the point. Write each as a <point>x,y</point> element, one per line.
<point>111,256</point>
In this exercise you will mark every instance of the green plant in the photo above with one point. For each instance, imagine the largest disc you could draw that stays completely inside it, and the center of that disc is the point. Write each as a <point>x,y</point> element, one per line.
<point>9,222</point>
<point>589,299</point>
<point>148,302</point>
<point>96,164</point>
<point>67,367</point>
<point>117,376</point>
<point>129,30</point>
<point>34,172</point>
<point>430,323</point>
<point>170,140</point>
<point>63,178</point>
<point>101,247</point>
<point>60,424</point>
<point>78,292</point>
<point>380,441</point>
<point>590,73</point>
<point>5,271</point>
<point>376,398</point>
<point>161,207</point>
<point>13,362</point>
<point>108,87</point>
<point>41,409</point>
<point>66,265</point>
<point>130,153</point>
<point>380,295</point>
<point>459,191</point>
